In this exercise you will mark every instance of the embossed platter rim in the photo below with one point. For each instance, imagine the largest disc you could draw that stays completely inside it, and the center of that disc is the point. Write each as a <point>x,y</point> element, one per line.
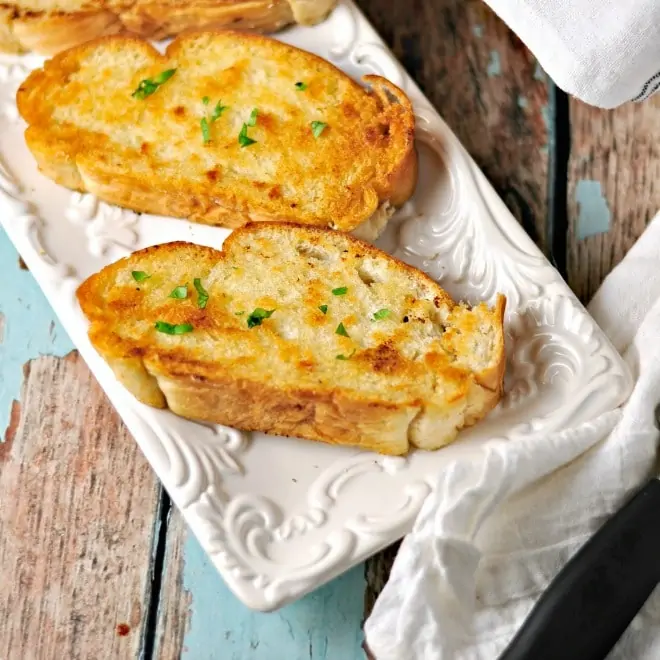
<point>278,516</point>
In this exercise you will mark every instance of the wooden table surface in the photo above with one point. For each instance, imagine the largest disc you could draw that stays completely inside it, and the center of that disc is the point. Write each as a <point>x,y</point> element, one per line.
<point>93,561</point>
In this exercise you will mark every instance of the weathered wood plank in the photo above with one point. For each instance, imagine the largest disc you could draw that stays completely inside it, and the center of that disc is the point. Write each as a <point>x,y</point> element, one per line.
<point>613,174</point>
<point>28,327</point>
<point>175,606</point>
<point>77,503</point>
<point>487,87</point>
<point>493,95</point>
<point>200,618</point>
<point>377,572</point>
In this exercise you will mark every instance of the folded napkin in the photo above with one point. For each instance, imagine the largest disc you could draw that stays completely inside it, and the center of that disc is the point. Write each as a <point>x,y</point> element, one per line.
<point>605,52</point>
<point>492,535</point>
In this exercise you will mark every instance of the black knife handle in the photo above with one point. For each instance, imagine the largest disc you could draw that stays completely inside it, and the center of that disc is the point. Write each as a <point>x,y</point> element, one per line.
<point>590,603</point>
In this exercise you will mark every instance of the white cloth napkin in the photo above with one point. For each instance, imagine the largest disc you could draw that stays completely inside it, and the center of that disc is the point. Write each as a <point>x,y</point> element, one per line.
<point>605,52</point>
<point>492,536</point>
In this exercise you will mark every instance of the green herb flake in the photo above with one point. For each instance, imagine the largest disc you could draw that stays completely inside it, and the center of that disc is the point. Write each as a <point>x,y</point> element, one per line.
<point>252,121</point>
<point>341,330</point>
<point>239,313</point>
<point>180,292</point>
<point>206,133</point>
<point>164,76</point>
<point>323,308</point>
<point>202,293</point>
<point>171,329</point>
<point>217,111</point>
<point>381,314</point>
<point>317,128</point>
<point>243,138</point>
<point>258,316</point>
<point>340,291</point>
<point>140,275</point>
<point>301,86</point>
<point>148,86</point>
<point>206,100</point>
<point>346,357</point>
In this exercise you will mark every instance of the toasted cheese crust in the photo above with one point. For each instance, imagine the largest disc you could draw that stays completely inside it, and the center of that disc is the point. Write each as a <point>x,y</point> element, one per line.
<point>51,26</point>
<point>88,132</point>
<point>360,349</point>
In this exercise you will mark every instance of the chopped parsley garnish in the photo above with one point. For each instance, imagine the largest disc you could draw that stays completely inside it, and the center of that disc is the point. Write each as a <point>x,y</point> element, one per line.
<point>215,115</point>
<point>140,275</point>
<point>258,316</point>
<point>243,138</point>
<point>323,308</point>
<point>171,329</point>
<point>217,111</point>
<point>239,313</point>
<point>206,133</point>
<point>346,357</point>
<point>180,292</point>
<point>301,86</point>
<point>202,293</point>
<point>341,330</point>
<point>381,314</point>
<point>318,127</point>
<point>340,291</point>
<point>148,86</point>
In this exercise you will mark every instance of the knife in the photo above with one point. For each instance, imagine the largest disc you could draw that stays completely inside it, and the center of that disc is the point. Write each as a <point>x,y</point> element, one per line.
<point>593,599</point>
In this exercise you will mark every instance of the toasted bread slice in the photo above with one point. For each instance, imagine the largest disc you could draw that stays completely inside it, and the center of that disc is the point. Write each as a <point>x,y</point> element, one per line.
<point>324,152</point>
<point>305,332</point>
<point>51,26</point>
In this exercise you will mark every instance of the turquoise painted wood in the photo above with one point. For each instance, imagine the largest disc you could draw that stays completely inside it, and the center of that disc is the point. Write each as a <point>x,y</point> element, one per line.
<point>594,215</point>
<point>325,625</point>
<point>28,327</point>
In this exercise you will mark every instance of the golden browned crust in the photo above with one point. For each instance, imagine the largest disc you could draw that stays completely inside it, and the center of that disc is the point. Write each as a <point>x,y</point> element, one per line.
<point>375,400</point>
<point>331,416</point>
<point>24,27</point>
<point>365,159</point>
<point>51,33</point>
<point>8,41</point>
<point>401,181</point>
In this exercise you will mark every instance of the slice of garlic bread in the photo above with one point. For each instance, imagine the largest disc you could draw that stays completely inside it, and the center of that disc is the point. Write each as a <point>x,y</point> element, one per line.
<point>225,128</point>
<point>50,26</point>
<point>301,332</point>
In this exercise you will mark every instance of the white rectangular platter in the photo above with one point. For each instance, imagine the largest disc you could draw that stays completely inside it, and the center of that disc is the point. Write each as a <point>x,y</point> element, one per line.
<point>279,516</point>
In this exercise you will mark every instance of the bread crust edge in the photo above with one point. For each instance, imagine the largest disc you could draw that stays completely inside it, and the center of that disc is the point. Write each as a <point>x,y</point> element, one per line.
<point>50,33</point>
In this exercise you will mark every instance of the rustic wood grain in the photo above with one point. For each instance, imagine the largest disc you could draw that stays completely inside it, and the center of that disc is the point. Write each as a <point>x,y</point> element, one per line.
<point>77,503</point>
<point>377,572</point>
<point>620,150</point>
<point>175,601</point>
<point>487,87</point>
<point>490,91</point>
